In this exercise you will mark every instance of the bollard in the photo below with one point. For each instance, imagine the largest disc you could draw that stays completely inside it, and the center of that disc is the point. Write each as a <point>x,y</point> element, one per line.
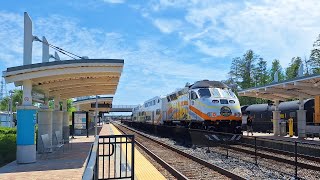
<point>290,126</point>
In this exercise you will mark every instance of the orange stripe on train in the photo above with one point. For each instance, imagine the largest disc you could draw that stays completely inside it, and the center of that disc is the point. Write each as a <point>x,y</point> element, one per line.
<point>206,117</point>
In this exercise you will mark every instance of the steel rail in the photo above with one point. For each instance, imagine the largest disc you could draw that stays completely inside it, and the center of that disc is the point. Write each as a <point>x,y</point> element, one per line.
<point>196,159</point>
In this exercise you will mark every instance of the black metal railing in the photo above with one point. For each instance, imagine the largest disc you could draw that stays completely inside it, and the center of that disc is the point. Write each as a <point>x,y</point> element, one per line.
<point>111,157</point>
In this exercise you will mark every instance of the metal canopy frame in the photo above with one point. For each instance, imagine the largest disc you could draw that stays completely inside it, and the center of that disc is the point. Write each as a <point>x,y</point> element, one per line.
<point>301,87</point>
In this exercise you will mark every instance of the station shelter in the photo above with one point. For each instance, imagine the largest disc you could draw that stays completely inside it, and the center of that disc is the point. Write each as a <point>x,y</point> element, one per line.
<point>58,80</point>
<point>301,87</point>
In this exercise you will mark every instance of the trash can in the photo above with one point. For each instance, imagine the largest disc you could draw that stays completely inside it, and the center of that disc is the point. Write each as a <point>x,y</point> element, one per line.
<point>283,128</point>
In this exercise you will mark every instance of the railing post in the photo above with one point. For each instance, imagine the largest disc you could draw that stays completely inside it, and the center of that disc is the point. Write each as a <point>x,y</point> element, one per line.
<point>296,159</point>
<point>255,149</point>
<point>132,159</point>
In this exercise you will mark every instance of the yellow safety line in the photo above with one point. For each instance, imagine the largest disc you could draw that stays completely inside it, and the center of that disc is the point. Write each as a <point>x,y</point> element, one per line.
<point>143,168</point>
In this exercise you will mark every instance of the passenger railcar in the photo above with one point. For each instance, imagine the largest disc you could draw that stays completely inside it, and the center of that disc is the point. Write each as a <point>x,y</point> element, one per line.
<point>204,104</point>
<point>263,114</point>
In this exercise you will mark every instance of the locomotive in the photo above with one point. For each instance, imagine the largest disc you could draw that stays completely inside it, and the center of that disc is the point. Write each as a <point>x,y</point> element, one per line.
<point>209,105</point>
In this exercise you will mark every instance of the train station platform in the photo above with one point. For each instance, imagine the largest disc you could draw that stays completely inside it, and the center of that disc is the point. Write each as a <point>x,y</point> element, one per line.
<point>56,166</point>
<point>143,168</point>
<point>271,136</point>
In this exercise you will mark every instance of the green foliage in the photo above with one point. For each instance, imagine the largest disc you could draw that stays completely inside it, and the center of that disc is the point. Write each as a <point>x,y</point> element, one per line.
<point>7,130</point>
<point>16,100</point>
<point>293,69</point>
<point>276,67</point>
<point>315,57</point>
<point>7,145</point>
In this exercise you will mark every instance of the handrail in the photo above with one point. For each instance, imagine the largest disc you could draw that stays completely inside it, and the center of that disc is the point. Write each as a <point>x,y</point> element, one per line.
<point>91,163</point>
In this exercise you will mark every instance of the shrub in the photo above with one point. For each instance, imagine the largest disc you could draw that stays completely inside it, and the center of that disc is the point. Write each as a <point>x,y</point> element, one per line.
<point>7,130</point>
<point>8,148</point>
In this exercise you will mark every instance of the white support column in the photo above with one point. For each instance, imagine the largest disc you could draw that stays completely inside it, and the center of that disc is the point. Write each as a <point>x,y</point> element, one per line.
<point>45,50</point>
<point>301,119</point>
<point>56,56</point>
<point>276,119</point>
<point>28,39</point>
<point>65,123</point>
<point>44,126</point>
<point>26,114</point>
<point>27,97</point>
<point>57,119</point>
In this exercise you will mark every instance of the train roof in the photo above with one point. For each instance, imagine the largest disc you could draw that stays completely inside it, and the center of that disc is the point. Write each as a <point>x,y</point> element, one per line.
<point>283,106</point>
<point>208,84</point>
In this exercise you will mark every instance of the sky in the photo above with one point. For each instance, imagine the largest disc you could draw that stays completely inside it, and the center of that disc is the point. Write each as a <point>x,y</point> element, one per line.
<point>164,43</point>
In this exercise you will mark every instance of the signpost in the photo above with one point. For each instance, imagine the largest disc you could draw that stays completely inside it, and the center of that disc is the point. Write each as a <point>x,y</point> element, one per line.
<point>80,121</point>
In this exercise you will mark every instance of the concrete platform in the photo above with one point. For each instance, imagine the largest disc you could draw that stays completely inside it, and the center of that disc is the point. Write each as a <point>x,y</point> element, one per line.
<point>143,168</point>
<point>308,146</point>
<point>57,166</point>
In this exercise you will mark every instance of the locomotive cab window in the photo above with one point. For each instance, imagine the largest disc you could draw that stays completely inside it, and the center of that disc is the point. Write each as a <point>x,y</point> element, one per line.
<point>204,93</point>
<point>193,95</point>
<point>216,92</point>
<point>225,93</point>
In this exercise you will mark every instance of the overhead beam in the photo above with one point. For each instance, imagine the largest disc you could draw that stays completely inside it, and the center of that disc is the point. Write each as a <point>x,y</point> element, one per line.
<point>82,80</point>
<point>80,94</point>
<point>81,86</point>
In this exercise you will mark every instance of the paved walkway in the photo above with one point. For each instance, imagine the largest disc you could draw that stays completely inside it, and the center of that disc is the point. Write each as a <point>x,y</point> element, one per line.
<point>57,166</point>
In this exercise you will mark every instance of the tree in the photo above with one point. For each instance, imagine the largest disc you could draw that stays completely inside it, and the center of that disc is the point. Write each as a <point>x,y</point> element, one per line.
<point>260,73</point>
<point>246,67</point>
<point>293,69</point>
<point>315,57</point>
<point>276,67</point>
<point>16,100</point>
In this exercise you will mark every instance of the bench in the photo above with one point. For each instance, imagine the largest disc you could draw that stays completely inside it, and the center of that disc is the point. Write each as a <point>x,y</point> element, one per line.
<point>60,142</point>
<point>47,147</point>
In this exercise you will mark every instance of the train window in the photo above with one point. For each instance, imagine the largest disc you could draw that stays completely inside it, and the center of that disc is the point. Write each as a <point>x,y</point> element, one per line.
<point>216,92</point>
<point>292,114</point>
<point>158,100</point>
<point>204,93</point>
<point>225,93</point>
<point>154,102</point>
<point>145,105</point>
<point>194,95</point>
<point>157,111</point>
<point>180,93</point>
<point>168,98</point>
<point>232,94</point>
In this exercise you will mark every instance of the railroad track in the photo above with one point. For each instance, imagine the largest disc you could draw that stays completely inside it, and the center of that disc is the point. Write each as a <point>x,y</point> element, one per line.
<point>308,162</point>
<point>180,164</point>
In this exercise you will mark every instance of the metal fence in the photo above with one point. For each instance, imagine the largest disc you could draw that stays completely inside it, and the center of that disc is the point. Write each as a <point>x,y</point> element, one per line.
<point>300,158</point>
<point>111,157</point>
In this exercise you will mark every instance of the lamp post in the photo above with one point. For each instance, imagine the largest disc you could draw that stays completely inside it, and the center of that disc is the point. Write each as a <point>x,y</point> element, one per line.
<point>10,109</point>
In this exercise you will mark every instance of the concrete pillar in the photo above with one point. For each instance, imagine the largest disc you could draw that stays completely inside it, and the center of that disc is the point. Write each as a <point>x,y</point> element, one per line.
<point>44,127</point>
<point>56,56</point>
<point>45,50</point>
<point>27,40</point>
<point>301,118</point>
<point>276,119</point>
<point>65,123</point>
<point>57,119</point>
<point>27,97</point>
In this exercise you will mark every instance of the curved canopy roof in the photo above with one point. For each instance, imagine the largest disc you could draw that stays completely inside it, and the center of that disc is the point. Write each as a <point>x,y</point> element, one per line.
<point>304,87</point>
<point>104,103</point>
<point>70,78</point>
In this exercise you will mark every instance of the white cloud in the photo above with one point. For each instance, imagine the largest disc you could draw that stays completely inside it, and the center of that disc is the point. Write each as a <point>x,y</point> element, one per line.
<point>149,70</point>
<point>274,28</point>
<point>167,25</point>
<point>114,1</point>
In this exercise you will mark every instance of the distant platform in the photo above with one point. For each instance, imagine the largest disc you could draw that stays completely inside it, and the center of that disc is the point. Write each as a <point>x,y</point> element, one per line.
<point>283,138</point>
